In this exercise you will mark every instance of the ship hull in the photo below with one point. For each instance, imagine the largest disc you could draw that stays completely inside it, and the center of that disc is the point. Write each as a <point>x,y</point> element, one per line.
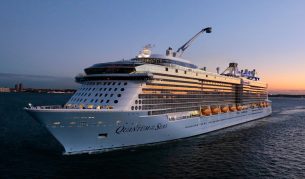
<point>98,131</point>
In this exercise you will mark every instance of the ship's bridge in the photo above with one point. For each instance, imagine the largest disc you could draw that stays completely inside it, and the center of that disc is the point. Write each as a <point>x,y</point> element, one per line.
<point>163,60</point>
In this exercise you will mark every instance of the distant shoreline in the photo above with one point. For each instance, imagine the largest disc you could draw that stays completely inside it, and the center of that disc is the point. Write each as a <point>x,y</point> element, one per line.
<point>287,95</point>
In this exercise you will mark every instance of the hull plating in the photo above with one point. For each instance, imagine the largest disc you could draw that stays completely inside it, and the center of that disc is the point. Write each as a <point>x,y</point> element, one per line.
<point>85,132</point>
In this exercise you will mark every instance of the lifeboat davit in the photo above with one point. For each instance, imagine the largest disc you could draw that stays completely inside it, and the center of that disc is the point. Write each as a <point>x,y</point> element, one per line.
<point>215,110</point>
<point>206,111</point>
<point>232,108</point>
<point>224,109</point>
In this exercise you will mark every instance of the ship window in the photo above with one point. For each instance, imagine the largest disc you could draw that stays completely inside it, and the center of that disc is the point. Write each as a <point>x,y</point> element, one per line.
<point>139,107</point>
<point>119,95</point>
<point>132,108</point>
<point>80,100</point>
<point>184,72</point>
<point>102,100</point>
<point>136,108</point>
<point>110,89</point>
<point>96,94</point>
<point>166,69</point>
<point>89,89</point>
<point>107,101</point>
<point>102,135</point>
<point>89,94</point>
<point>111,95</point>
<point>85,100</point>
<point>96,100</point>
<point>105,89</point>
<point>116,101</point>
<point>122,89</point>
<point>101,89</point>
<point>115,89</point>
<point>93,89</point>
<point>119,83</point>
<point>176,70</point>
<point>101,94</point>
<point>125,83</point>
<point>106,95</point>
<point>91,100</point>
<point>140,101</point>
<point>105,83</point>
<point>136,101</point>
<point>109,83</point>
<point>113,83</point>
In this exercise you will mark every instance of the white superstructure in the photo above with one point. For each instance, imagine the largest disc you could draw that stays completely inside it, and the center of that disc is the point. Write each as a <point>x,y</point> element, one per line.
<point>149,99</point>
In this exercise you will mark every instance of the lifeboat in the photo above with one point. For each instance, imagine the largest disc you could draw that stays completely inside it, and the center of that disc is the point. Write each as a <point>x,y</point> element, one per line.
<point>224,109</point>
<point>239,107</point>
<point>245,107</point>
<point>215,110</point>
<point>232,108</point>
<point>206,111</point>
<point>261,104</point>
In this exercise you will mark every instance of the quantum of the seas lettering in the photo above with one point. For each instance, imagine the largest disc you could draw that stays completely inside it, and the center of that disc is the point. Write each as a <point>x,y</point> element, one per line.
<point>139,128</point>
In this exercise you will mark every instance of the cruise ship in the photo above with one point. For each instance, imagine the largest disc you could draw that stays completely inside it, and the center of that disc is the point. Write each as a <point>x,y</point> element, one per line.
<point>150,99</point>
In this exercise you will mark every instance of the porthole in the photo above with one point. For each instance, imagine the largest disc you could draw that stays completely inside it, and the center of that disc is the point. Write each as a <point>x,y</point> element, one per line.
<point>101,89</point>
<point>136,102</point>
<point>91,100</point>
<point>105,83</point>
<point>119,95</point>
<point>109,83</point>
<point>107,101</point>
<point>119,83</point>
<point>113,83</point>
<point>89,94</point>
<point>89,89</point>
<point>101,94</point>
<point>85,100</point>
<point>93,89</point>
<point>115,89</point>
<point>111,95</point>
<point>106,95</point>
<point>102,100</point>
<point>136,108</point>
<point>96,100</point>
<point>110,89</point>
<point>122,89</point>
<point>115,101</point>
<point>125,83</point>
<point>139,107</point>
<point>140,101</point>
<point>132,108</point>
<point>96,94</point>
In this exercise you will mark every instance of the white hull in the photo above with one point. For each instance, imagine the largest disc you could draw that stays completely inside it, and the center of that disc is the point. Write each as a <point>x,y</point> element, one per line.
<point>96,131</point>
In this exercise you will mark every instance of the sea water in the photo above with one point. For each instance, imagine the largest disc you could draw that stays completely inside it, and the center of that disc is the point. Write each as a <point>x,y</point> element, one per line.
<point>270,147</point>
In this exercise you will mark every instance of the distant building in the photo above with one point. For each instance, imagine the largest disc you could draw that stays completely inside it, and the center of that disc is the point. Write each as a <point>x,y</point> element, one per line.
<point>5,90</point>
<point>18,87</point>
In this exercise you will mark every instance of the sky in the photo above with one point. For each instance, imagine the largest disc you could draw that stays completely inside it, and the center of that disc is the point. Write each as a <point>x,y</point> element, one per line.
<point>61,37</point>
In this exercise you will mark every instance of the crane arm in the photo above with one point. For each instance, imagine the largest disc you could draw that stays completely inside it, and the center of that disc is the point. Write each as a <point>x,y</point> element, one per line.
<point>188,43</point>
